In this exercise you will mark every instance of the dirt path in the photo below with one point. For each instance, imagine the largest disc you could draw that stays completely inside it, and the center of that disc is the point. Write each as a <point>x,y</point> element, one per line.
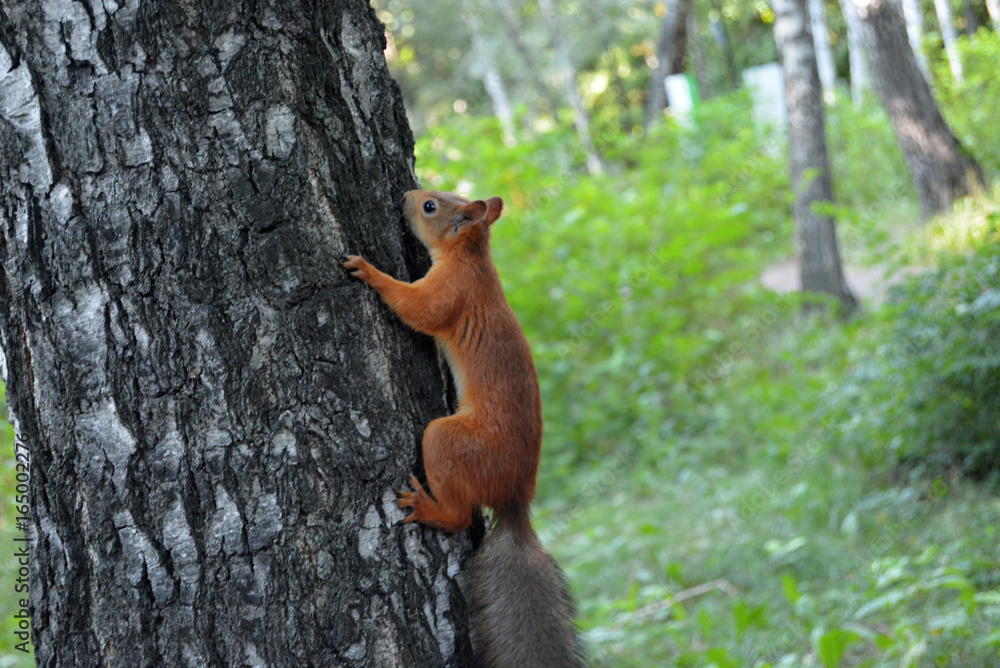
<point>865,282</point>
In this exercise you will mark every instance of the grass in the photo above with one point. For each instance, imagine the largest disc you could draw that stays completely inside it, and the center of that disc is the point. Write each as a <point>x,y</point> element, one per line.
<point>770,538</point>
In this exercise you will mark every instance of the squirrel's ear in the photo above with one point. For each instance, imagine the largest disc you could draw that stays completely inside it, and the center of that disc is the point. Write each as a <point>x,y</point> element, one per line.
<point>494,207</point>
<point>474,211</point>
<point>485,212</point>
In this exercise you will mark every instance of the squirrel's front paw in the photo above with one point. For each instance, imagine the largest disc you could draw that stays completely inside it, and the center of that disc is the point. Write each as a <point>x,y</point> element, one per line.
<point>415,500</point>
<point>358,266</point>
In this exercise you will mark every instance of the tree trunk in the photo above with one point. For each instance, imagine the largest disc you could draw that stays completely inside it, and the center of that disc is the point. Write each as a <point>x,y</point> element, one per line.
<point>816,234</point>
<point>914,16</point>
<point>698,57</point>
<point>821,40</point>
<point>530,70</point>
<point>993,7</point>
<point>218,417</point>
<point>669,56</point>
<point>949,36</point>
<point>485,56</point>
<point>722,40</point>
<point>567,73</point>
<point>940,167</point>
<point>971,21</point>
<point>860,73</point>
<point>495,88</point>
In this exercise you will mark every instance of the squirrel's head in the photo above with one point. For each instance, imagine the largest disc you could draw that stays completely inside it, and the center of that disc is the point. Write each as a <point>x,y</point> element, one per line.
<point>441,219</point>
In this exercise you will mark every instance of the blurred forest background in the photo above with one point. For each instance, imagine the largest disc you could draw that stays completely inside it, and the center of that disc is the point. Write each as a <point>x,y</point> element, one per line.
<point>735,472</point>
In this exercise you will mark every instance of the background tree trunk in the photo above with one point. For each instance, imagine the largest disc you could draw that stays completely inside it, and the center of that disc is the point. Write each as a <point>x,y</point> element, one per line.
<point>993,7</point>
<point>669,56</point>
<point>950,37</point>
<point>485,53</point>
<point>218,416</point>
<point>529,70</point>
<point>821,40</point>
<point>568,75</point>
<point>940,167</point>
<point>914,16</point>
<point>971,20</point>
<point>816,234</point>
<point>860,73</point>
<point>698,57</point>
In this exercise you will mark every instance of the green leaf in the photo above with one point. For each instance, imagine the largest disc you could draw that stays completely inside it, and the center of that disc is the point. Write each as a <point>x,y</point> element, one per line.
<point>833,644</point>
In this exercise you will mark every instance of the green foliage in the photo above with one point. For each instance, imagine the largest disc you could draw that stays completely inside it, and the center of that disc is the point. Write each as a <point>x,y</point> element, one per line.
<point>861,144</point>
<point>720,476</point>
<point>934,378</point>
<point>971,106</point>
<point>618,277</point>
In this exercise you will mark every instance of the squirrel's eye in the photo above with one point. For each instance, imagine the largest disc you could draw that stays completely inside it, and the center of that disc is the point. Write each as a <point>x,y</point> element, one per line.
<point>430,206</point>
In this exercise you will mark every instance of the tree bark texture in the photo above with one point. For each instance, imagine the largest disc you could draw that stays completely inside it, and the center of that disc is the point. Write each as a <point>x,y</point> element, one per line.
<point>939,166</point>
<point>669,56</point>
<point>218,415</point>
<point>816,234</point>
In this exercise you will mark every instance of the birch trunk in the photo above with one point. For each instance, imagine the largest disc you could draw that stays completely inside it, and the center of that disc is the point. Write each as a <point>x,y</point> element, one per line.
<point>950,37</point>
<point>809,166</point>
<point>218,417</point>
<point>993,7</point>
<point>860,73</point>
<point>914,16</point>
<point>568,74</point>
<point>669,56</point>
<point>821,40</point>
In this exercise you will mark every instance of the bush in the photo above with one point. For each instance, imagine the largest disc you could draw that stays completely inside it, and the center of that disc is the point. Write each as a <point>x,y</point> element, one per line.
<point>932,379</point>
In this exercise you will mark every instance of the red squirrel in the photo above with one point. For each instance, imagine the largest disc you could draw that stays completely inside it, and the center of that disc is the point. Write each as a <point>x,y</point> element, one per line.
<point>486,454</point>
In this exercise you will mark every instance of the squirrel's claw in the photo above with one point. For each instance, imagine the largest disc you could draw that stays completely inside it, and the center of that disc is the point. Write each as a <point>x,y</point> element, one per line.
<point>411,499</point>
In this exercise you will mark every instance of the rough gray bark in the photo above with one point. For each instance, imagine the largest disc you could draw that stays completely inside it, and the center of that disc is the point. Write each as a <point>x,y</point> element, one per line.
<point>218,416</point>
<point>669,56</point>
<point>861,81</point>
<point>939,166</point>
<point>816,234</point>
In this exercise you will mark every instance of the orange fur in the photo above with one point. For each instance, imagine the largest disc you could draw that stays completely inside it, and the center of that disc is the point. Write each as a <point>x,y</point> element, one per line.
<point>486,454</point>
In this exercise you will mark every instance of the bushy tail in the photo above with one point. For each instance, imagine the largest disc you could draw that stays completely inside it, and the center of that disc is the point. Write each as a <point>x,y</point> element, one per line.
<point>522,614</point>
